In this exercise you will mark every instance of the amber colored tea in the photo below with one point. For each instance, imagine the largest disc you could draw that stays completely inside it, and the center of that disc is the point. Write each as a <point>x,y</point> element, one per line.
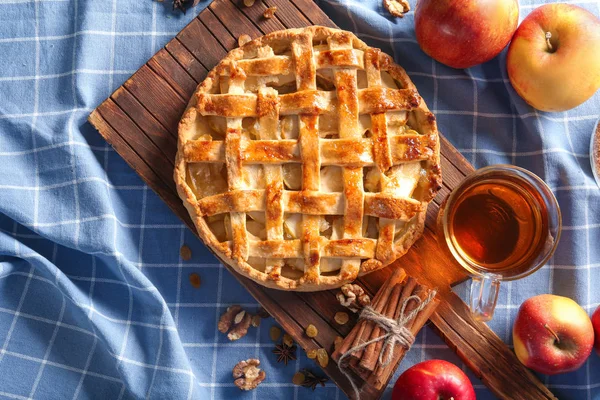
<point>499,225</point>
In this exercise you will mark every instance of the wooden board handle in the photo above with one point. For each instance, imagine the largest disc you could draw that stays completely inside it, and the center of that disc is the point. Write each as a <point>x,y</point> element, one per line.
<point>490,359</point>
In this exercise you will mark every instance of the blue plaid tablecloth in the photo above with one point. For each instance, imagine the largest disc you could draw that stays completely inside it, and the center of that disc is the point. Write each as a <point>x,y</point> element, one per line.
<point>95,301</point>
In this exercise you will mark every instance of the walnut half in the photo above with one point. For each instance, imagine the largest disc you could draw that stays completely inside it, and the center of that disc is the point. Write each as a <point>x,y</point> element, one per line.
<point>353,297</point>
<point>247,375</point>
<point>397,7</point>
<point>236,321</point>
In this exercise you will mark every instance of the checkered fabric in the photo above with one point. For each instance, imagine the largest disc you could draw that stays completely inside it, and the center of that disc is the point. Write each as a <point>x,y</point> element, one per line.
<point>94,299</point>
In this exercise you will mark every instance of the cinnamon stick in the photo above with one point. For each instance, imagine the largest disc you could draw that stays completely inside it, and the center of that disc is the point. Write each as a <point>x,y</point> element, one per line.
<point>380,377</point>
<point>354,335</point>
<point>371,356</point>
<point>364,327</point>
<point>379,302</point>
<point>422,293</point>
<point>410,290</point>
<point>345,346</point>
<point>388,301</point>
<point>417,290</point>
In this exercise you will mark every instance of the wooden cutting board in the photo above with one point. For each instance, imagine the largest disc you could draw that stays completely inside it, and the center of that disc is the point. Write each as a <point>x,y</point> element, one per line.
<point>140,121</point>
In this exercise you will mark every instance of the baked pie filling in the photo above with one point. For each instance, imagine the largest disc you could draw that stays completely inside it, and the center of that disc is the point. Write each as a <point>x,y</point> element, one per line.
<point>307,158</point>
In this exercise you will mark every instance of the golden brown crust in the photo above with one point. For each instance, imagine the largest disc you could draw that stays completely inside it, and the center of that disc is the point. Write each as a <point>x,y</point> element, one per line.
<point>303,57</point>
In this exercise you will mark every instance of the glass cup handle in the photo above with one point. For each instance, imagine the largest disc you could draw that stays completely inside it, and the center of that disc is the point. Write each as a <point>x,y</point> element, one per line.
<point>484,294</point>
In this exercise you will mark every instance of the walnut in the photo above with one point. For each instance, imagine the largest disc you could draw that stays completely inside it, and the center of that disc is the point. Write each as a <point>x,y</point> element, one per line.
<point>243,39</point>
<point>269,12</point>
<point>353,297</point>
<point>227,318</point>
<point>239,316</point>
<point>397,7</point>
<point>236,321</point>
<point>240,329</point>
<point>247,375</point>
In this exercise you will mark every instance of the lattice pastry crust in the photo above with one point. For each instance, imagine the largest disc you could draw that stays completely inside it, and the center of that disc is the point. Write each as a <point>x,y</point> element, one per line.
<point>307,158</point>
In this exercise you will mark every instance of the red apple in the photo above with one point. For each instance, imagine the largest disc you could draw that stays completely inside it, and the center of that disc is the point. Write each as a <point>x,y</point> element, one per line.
<point>559,72</point>
<point>463,33</point>
<point>433,380</point>
<point>552,334</point>
<point>596,324</point>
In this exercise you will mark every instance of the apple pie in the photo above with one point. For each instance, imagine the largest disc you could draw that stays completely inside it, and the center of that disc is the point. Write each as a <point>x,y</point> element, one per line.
<point>307,158</point>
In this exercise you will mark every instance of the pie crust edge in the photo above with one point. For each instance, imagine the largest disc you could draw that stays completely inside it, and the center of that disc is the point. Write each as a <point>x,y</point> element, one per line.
<point>223,252</point>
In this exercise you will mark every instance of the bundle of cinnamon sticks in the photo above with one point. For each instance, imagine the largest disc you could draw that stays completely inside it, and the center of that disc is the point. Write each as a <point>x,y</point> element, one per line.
<point>388,301</point>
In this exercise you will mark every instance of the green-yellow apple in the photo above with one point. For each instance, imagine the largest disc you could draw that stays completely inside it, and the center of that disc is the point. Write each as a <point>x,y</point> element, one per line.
<point>552,334</point>
<point>553,61</point>
<point>596,324</point>
<point>463,33</point>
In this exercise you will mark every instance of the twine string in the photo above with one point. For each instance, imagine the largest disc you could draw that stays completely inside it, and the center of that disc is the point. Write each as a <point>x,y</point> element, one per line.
<point>396,332</point>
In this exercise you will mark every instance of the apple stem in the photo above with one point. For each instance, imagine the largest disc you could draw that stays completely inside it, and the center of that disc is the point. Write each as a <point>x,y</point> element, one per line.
<point>548,37</point>
<point>552,332</point>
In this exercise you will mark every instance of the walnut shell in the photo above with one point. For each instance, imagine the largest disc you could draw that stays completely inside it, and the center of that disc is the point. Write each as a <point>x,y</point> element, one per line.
<point>247,375</point>
<point>353,297</point>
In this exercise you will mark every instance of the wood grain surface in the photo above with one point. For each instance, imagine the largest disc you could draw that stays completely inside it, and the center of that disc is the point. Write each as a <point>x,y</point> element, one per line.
<point>140,121</point>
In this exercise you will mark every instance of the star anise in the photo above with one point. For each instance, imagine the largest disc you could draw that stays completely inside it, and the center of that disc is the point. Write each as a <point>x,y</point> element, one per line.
<point>311,380</point>
<point>285,353</point>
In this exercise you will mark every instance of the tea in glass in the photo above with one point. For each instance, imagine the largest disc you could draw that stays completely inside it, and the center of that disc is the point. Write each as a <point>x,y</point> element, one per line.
<point>501,223</point>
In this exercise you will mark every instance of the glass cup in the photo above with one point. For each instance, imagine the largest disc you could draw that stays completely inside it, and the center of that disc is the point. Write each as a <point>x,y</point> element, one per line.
<point>501,223</point>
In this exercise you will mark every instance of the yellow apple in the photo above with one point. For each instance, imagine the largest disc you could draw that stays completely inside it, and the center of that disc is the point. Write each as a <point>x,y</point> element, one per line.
<point>553,60</point>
